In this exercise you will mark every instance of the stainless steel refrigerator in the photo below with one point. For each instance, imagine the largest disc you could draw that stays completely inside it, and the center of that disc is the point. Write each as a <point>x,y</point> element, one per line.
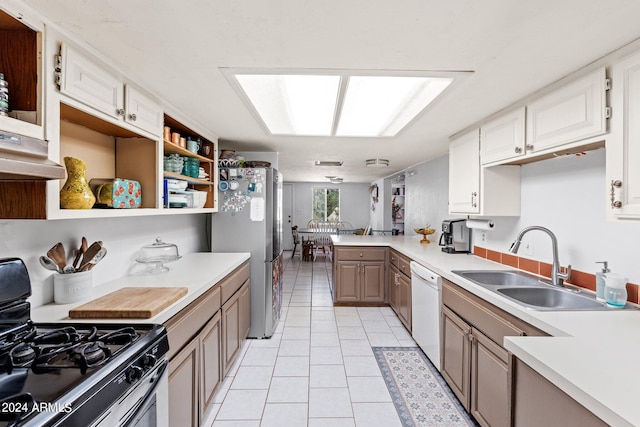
<point>249,219</point>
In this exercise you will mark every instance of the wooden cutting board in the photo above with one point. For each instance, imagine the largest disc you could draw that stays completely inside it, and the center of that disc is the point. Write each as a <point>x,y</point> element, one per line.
<point>129,303</point>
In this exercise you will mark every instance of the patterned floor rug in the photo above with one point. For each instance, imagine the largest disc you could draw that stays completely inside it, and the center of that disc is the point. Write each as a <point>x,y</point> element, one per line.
<point>419,393</point>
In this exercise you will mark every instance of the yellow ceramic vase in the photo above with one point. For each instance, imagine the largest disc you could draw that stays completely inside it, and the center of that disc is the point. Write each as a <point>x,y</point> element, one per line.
<point>76,194</point>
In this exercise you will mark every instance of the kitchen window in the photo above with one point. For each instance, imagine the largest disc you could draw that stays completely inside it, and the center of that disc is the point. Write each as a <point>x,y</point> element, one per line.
<point>325,204</point>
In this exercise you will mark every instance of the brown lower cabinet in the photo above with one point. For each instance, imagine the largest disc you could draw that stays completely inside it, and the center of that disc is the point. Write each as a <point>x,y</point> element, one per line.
<point>400,295</point>
<point>537,402</point>
<point>473,362</point>
<point>204,339</point>
<point>359,274</point>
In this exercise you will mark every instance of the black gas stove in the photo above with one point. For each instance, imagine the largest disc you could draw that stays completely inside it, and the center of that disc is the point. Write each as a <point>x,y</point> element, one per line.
<point>71,374</point>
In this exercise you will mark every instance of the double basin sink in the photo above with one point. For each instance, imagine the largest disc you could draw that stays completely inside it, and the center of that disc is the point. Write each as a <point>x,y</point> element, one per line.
<point>532,291</point>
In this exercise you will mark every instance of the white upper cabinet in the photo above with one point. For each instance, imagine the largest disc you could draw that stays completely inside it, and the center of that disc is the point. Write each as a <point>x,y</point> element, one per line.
<point>574,112</point>
<point>476,190</point>
<point>22,37</point>
<point>503,138</point>
<point>464,173</point>
<point>142,111</point>
<point>86,81</point>
<point>623,146</point>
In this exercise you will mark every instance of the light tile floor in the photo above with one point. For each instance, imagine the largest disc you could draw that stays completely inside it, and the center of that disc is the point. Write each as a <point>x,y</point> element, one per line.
<point>318,369</point>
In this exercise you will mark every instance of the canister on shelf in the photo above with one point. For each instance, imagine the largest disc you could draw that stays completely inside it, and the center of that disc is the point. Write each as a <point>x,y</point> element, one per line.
<point>4,96</point>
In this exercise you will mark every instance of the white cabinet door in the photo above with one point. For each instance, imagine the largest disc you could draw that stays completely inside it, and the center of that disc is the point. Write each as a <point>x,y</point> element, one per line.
<point>85,81</point>
<point>476,190</point>
<point>464,173</point>
<point>569,114</point>
<point>142,111</point>
<point>623,145</point>
<point>503,137</point>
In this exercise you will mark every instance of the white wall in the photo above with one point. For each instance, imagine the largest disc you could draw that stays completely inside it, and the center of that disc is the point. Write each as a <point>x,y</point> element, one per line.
<point>378,216</point>
<point>355,202</point>
<point>123,237</point>
<point>427,195</point>
<point>568,195</point>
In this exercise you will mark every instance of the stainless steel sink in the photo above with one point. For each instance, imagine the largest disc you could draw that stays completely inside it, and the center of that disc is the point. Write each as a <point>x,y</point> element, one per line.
<point>501,277</point>
<point>532,291</point>
<point>557,299</point>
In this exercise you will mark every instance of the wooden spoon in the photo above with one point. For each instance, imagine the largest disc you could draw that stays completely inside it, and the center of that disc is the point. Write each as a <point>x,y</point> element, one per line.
<point>88,255</point>
<point>79,252</point>
<point>58,255</point>
<point>93,261</point>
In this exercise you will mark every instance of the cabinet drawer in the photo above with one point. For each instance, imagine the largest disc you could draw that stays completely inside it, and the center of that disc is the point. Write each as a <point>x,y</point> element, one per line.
<point>234,281</point>
<point>401,262</point>
<point>360,254</point>
<point>186,324</point>
<point>483,318</point>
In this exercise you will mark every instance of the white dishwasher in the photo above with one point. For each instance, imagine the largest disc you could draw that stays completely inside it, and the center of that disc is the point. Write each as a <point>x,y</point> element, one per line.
<point>426,287</point>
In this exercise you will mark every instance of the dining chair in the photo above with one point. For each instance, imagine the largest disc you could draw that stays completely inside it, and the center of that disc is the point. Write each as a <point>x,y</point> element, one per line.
<point>322,238</point>
<point>296,239</point>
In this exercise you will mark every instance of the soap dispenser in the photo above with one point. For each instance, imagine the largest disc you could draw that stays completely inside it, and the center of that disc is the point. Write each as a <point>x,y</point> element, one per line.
<point>615,291</point>
<point>600,280</point>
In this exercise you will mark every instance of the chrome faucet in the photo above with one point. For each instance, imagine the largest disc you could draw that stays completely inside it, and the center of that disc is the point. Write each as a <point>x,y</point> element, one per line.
<point>557,276</point>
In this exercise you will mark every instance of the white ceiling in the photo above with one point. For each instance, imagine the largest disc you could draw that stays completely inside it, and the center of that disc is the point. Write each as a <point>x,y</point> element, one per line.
<point>176,48</point>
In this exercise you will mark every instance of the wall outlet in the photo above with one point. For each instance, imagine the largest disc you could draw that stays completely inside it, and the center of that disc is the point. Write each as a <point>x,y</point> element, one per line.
<point>483,236</point>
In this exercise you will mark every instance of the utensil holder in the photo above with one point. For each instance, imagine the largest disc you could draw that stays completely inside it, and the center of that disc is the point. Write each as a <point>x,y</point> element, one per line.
<point>72,287</point>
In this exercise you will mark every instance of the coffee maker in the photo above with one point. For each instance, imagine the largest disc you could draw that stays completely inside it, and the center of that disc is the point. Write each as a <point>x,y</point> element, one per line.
<point>456,236</point>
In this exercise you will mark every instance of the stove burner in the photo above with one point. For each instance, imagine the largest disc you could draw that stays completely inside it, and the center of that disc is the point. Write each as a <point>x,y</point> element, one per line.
<point>90,355</point>
<point>20,356</point>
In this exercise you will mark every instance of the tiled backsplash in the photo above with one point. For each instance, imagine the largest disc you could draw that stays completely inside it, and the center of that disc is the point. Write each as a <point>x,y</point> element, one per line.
<point>578,278</point>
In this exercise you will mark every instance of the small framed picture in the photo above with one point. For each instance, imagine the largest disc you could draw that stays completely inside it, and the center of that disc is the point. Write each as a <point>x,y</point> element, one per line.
<point>224,174</point>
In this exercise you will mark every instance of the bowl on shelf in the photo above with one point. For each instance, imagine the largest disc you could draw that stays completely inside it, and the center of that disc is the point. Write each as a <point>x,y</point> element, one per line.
<point>425,231</point>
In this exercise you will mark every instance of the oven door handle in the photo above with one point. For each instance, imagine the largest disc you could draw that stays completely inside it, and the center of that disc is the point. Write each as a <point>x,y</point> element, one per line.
<point>149,394</point>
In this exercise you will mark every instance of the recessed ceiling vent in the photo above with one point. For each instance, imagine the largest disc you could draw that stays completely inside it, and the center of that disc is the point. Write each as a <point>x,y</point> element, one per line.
<point>328,163</point>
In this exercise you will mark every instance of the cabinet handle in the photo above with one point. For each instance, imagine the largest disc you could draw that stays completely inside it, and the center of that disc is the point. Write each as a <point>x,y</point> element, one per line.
<point>473,199</point>
<point>615,203</point>
<point>529,147</point>
<point>132,117</point>
<point>361,254</point>
<point>518,150</point>
<point>120,112</point>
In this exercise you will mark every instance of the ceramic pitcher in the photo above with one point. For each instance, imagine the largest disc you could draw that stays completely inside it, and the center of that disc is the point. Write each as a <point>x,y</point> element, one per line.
<point>76,194</point>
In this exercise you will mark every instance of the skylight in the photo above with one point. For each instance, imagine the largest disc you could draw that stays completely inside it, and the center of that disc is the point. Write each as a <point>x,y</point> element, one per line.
<point>293,104</point>
<point>382,105</point>
<point>340,104</point>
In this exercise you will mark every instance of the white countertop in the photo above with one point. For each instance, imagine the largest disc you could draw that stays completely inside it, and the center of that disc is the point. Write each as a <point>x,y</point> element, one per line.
<point>591,355</point>
<point>198,272</point>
